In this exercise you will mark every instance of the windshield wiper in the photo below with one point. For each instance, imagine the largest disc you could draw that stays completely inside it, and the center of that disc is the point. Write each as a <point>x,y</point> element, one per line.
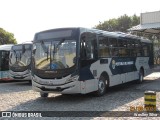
<point>15,55</point>
<point>45,49</point>
<point>55,47</point>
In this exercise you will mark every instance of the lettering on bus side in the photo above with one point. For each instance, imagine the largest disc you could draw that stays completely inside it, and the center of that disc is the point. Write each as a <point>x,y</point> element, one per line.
<point>122,65</point>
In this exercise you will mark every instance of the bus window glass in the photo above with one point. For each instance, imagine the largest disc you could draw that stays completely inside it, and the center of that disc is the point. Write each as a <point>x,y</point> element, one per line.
<point>145,48</point>
<point>103,47</point>
<point>122,48</point>
<point>5,60</point>
<point>20,55</point>
<point>113,46</point>
<point>88,45</point>
<point>138,50</point>
<point>55,55</point>
<point>130,44</point>
<point>123,52</point>
<point>131,47</point>
<point>122,43</point>
<point>113,42</point>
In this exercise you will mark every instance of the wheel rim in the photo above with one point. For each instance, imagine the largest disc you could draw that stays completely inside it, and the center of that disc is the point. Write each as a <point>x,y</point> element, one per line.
<point>141,77</point>
<point>101,86</point>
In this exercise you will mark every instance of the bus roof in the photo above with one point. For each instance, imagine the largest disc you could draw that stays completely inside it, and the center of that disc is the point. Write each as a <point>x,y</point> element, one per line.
<point>120,35</point>
<point>6,47</point>
<point>106,33</point>
<point>26,43</point>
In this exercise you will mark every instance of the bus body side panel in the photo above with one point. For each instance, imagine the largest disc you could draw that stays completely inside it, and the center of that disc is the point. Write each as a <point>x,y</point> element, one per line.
<point>88,86</point>
<point>89,83</point>
<point>119,70</point>
<point>144,63</point>
<point>114,79</point>
<point>87,78</point>
<point>5,75</point>
<point>99,68</point>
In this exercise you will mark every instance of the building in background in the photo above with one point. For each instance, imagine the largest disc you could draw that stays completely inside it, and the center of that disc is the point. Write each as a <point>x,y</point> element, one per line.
<point>150,27</point>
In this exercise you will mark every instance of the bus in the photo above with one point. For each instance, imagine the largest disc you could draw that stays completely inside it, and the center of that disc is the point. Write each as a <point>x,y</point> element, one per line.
<point>4,61</point>
<point>20,61</point>
<point>81,60</point>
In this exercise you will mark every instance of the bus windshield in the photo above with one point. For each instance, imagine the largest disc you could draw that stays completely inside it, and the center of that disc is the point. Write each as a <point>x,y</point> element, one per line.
<point>20,55</point>
<point>54,54</point>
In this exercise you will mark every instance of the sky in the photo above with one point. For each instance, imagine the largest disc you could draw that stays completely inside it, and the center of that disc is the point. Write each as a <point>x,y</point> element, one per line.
<point>24,18</point>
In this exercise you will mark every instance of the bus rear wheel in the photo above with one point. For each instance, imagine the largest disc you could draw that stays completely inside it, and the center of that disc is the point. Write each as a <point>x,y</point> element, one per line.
<point>102,86</point>
<point>44,95</point>
<point>141,76</point>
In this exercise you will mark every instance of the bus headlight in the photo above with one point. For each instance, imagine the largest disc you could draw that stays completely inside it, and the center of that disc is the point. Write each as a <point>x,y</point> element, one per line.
<point>71,79</point>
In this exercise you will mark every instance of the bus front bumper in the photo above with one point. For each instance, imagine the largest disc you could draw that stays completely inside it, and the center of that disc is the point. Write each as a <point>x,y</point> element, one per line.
<point>70,88</point>
<point>20,75</point>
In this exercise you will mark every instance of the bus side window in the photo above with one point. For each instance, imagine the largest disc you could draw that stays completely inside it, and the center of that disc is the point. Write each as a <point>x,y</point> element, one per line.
<point>113,47</point>
<point>103,47</point>
<point>138,48</point>
<point>131,47</point>
<point>123,52</point>
<point>145,49</point>
<point>83,50</point>
<point>88,44</point>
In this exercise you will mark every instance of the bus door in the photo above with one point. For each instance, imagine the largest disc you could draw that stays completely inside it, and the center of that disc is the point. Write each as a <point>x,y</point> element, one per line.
<point>4,64</point>
<point>88,55</point>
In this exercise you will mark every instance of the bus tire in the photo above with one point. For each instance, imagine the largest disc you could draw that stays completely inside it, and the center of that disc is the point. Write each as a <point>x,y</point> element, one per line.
<point>141,76</point>
<point>30,81</point>
<point>44,95</point>
<point>101,86</point>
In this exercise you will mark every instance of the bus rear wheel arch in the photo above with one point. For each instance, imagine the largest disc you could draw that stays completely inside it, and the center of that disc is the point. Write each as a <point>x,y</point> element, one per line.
<point>141,75</point>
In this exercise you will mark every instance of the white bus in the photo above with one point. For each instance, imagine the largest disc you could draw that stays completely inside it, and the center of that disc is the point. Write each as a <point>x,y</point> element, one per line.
<point>81,60</point>
<point>4,62</point>
<point>20,61</point>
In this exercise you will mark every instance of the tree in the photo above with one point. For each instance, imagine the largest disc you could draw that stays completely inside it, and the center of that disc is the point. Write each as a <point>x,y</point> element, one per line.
<point>124,22</point>
<point>6,37</point>
<point>120,24</point>
<point>135,20</point>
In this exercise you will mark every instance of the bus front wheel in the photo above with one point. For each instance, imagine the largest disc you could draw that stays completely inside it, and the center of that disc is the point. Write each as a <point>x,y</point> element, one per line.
<point>101,86</point>
<point>44,95</point>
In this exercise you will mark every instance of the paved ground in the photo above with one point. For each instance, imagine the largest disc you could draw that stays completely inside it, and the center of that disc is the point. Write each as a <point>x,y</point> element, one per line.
<point>19,96</point>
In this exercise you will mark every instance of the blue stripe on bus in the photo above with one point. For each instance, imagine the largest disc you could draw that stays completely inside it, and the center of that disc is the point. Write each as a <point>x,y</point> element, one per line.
<point>120,65</point>
<point>86,74</point>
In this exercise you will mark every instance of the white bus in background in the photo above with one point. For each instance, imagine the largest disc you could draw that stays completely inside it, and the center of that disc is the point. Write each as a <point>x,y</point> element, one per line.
<point>4,61</point>
<point>20,61</point>
<point>81,60</point>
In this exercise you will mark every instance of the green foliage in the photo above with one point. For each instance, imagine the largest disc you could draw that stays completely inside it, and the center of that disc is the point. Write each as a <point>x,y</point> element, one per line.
<point>120,24</point>
<point>6,37</point>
